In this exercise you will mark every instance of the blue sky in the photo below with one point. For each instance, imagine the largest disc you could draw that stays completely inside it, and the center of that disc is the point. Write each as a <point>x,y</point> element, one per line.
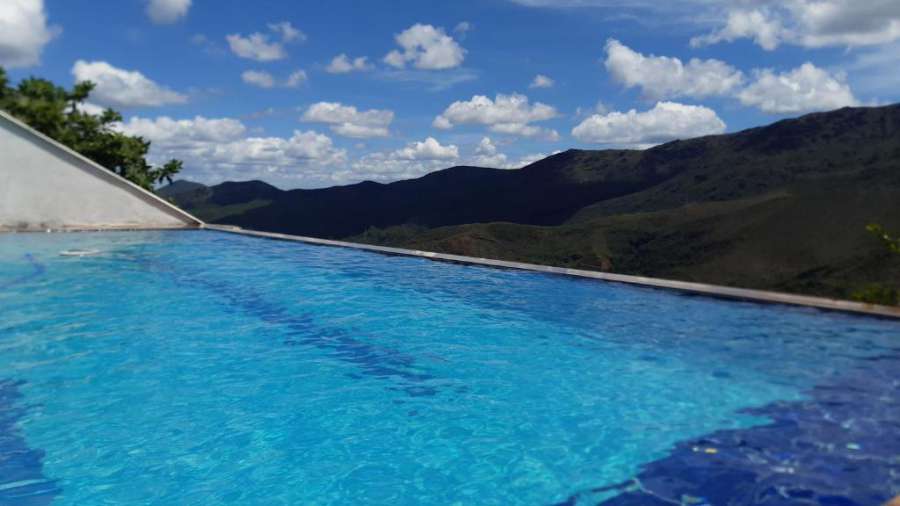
<point>258,90</point>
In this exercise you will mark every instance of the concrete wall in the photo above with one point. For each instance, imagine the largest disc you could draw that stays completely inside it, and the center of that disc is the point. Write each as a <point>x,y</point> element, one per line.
<point>44,185</point>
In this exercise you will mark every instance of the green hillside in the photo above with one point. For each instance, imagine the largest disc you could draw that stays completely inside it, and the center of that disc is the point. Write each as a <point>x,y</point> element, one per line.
<point>781,207</point>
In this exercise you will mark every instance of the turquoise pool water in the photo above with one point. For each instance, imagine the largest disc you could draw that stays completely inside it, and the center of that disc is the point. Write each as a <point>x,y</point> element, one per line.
<point>207,368</point>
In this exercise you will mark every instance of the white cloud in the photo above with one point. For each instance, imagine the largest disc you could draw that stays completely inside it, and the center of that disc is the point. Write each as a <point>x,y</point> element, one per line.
<point>23,32</point>
<point>487,155</point>
<point>542,81</point>
<point>90,108</point>
<point>217,149</point>
<point>414,160</point>
<point>635,4</point>
<point>287,31</point>
<point>462,29</point>
<point>848,22</point>
<point>123,88</point>
<point>426,47</point>
<point>508,114</point>
<point>176,134</point>
<point>163,12</point>
<point>296,78</point>
<point>383,167</point>
<point>598,108</point>
<point>264,79</point>
<point>420,158</point>
<point>529,159</point>
<point>343,64</point>
<point>757,24</point>
<point>429,149</point>
<point>258,46</point>
<point>664,77</point>
<point>804,89</point>
<point>874,70</point>
<point>810,23</point>
<point>666,121</point>
<point>347,121</point>
<point>258,78</point>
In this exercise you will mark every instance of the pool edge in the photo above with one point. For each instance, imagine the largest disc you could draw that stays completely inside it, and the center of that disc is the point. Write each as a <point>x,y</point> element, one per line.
<point>704,289</point>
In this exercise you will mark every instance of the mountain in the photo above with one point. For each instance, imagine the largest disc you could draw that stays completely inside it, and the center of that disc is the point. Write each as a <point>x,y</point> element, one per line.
<point>778,207</point>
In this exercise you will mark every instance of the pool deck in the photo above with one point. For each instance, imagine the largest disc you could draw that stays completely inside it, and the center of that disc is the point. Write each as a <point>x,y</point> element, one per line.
<point>681,286</point>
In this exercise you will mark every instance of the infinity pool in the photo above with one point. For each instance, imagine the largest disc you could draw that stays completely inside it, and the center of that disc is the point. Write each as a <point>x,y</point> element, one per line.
<point>199,367</point>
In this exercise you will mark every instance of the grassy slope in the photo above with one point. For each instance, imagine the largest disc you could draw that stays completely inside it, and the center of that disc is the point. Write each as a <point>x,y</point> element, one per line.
<point>806,241</point>
<point>782,207</point>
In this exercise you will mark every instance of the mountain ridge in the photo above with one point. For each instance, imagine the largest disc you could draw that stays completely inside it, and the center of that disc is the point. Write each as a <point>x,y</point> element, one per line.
<point>636,212</point>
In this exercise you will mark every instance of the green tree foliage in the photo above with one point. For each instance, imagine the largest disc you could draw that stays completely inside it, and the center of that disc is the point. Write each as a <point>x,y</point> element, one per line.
<point>57,113</point>
<point>892,243</point>
<point>878,293</point>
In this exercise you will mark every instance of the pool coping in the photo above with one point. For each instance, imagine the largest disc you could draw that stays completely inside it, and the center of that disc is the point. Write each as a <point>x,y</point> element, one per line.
<point>718,291</point>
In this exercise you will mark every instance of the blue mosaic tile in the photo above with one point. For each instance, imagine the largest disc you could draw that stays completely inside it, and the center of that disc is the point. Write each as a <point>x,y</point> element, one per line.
<point>22,482</point>
<point>838,447</point>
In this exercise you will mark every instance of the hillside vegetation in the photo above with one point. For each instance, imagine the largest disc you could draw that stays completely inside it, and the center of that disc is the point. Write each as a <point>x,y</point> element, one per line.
<point>781,207</point>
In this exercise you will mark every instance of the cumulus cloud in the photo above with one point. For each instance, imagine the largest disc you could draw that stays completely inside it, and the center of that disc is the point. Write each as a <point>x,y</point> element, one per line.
<point>426,47</point>
<point>258,78</point>
<point>23,32</point>
<point>175,134</point>
<point>487,155</point>
<point>542,81</point>
<point>343,64</point>
<point>348,121</point>
<point>90,108</point>
<point>214,149</point>
<point>804,89</point>
<point>756,24</point>
<point>507,114</point>
<point>123,88</point>
<point>413,160</point>
<point>256,46</point>
<point>163,12</point>
<point>287,31</point>
<point>666,121</point>
<point>810,23</point>
<point>260,47</point>
<point>664,77</point>
<point>264,79</point>
<point>296,78</point>
<point>429,149</point>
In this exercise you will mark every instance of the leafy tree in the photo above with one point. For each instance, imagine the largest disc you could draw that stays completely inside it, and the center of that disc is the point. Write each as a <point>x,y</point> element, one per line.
<point>60,114</point>
<point>877,293</point>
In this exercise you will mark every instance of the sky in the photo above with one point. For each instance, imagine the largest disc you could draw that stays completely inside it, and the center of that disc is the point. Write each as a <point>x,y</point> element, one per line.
<point>307,94</point>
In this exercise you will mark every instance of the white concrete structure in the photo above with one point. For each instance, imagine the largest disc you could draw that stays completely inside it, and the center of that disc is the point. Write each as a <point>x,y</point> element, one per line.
<point>47,186</point>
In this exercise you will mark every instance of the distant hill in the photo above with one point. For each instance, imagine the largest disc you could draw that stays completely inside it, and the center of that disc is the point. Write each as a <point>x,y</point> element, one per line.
<point>778,207</point>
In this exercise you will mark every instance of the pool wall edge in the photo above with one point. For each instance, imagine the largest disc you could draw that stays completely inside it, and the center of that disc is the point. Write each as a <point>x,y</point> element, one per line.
<point>718,291</point>
<point>62,181</point>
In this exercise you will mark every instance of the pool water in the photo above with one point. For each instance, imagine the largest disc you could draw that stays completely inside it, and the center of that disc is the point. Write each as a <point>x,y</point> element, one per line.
<point>198,367</point>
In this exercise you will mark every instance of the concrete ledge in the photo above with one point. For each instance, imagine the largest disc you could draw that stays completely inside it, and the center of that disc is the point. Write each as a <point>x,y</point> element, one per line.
<point>681,286</point>
<point>95,228</point>
<point>38,175</point>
